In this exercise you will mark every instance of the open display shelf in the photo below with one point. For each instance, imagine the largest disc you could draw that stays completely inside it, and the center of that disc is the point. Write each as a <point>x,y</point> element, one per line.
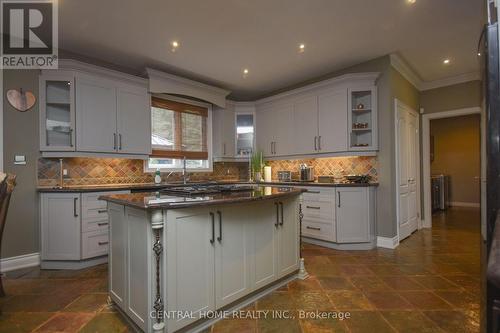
<point>361,119</point>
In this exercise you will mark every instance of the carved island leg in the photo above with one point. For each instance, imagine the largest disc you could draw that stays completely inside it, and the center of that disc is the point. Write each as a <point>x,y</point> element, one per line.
<point>302,268</point>
<point>158,305</point>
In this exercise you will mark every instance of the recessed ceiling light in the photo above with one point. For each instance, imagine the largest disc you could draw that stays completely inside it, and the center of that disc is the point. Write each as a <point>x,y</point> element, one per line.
<point>245,72</point>
<point>479,54</point>
<point>302,47</point>
<point>446,61</point>
<point>175,45</point>
<point>411,2</point>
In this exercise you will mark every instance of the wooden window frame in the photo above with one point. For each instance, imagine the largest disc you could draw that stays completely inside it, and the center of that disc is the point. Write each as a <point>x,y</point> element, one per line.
<point>179,108</point>
<point>195,107</point>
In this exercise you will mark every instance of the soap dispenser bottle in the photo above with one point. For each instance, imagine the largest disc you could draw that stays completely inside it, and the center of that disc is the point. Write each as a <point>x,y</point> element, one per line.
<point>157,177</point>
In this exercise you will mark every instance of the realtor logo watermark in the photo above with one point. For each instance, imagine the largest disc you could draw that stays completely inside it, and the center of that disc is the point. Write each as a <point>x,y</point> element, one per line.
<point>29,34</point>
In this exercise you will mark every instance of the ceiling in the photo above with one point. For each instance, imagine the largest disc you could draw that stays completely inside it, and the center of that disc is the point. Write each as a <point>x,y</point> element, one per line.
<point>219,38</point>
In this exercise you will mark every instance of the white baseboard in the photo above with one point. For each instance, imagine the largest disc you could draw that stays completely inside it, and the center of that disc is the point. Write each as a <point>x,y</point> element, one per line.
<point>387,242</point>
<point>465,204</point>
<point>13,263</point>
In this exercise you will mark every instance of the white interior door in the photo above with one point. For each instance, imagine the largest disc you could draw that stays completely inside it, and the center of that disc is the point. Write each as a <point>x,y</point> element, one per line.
<point>407,169</point>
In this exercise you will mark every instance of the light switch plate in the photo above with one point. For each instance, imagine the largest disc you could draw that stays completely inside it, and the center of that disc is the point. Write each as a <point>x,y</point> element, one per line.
<point>20,160</point>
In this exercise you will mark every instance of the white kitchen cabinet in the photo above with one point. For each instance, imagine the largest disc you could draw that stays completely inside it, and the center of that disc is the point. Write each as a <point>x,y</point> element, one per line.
<point>224,136</point>
<point>265,131</point>
<point>275,129</point>
<point>129,255</point>
<point>133,120</point>
<point>233,262</point>
<point>117,250</point>
<point>305,119</point>
<point>265,229</point>
<point>353,214</point>
<point>190,251</point>
<point>95,114</point>
<point>74,229</point>
<point>57,111</point>
<point>318,207</point>
<point>332,121</point>
<point>288,233</point>
<point>60,226</point>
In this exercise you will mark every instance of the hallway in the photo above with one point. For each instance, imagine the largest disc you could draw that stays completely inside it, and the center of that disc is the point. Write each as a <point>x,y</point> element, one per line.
<point>430,283</point>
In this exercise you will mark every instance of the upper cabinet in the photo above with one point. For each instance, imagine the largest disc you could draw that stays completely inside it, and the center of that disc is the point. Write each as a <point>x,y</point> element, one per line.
<point>233,131</point>
<point>57,112</point>
<point>334,116</point>
<point>89,112</point>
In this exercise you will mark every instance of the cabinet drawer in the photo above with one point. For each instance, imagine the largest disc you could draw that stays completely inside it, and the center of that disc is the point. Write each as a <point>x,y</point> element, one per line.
<point>319,210</point>
<point>95,212</point>
<point>317,230</point>
<point>319,194</point>
<point>94,244</point>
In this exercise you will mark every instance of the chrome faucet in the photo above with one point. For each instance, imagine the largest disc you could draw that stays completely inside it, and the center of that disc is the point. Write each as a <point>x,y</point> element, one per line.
<point>185,177</point>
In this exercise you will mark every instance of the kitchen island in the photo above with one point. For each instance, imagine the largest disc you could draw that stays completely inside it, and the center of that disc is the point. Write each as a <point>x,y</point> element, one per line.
<point>174,259</point>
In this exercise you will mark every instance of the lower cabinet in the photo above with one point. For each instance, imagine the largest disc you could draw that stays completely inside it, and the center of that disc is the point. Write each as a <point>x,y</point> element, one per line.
<point>60,226</point>
<point>74,226</point>
<point>339,215</point>
<point>217,255</point>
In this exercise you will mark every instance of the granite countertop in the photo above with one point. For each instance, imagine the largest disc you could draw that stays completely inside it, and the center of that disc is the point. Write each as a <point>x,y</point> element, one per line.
<point>152,200</point>
<point>155,187</point>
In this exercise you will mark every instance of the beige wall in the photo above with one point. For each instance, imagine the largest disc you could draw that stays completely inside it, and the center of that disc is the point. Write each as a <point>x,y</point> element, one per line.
<point>21,137</point>
<point>458,96</point>
<point>457,154</point>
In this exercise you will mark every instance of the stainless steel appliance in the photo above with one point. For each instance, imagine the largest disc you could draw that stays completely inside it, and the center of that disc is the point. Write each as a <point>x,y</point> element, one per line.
<point>306,173</point>
<point>440,192</point>
<point>284,176</point>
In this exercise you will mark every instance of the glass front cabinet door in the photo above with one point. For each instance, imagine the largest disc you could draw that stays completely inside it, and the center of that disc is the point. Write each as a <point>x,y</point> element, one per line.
<point>57,112</point>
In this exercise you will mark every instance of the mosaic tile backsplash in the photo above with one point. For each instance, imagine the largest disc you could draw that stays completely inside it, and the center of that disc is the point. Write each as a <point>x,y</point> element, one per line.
<point>329,166</point>
<point>100,171</point>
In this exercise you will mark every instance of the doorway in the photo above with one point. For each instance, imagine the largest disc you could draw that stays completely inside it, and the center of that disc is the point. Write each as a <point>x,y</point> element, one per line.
<point>407,169</point>
<point>452,147</point>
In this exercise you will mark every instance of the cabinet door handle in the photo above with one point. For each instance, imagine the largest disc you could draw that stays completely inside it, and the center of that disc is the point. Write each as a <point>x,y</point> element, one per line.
<point>120,141</point>
<point>313,228</point>
<point>277,215</point>
<point>224,149</point>
<point>339,199</point>
<point>102,224</point>
<point>101,211</point>
<point>315,192</point>
<point>274,147</point>
<point>315,143</point>
<point>103,243</point>
<point>281,208</point>
<point>319,142</point>
<point>313,207</point>
<point>220,226</point>
<point>212,217</point>
<point>71,137</point>
<point>75,200</point>
<point>114,141</point>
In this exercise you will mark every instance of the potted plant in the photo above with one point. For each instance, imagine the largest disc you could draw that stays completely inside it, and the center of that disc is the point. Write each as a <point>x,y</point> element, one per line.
<point>256,164</point>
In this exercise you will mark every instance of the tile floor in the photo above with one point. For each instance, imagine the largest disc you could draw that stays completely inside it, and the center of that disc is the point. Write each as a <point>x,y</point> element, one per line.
<point>430,283</point>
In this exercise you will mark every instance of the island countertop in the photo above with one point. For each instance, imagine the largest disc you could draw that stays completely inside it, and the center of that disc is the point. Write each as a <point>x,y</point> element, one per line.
<point>158,200</point>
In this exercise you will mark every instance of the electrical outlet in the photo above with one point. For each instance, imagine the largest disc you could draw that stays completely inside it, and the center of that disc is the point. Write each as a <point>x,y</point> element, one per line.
<point>65,172</point>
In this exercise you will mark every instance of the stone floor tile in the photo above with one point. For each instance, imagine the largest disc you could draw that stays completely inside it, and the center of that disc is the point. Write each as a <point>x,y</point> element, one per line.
<point>65,322</point>
<point>349,300</point>
<point>21,322</point>
<point>453,321</point>
<point>88,303</point>
<point>106,322</point>
<point>410,322</point>
<point>384,300</point>
<point>368,321</point>
<point>425,300</point>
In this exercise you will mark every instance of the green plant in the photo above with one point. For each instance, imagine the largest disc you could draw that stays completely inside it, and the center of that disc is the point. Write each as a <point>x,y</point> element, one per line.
<point>257,161</point>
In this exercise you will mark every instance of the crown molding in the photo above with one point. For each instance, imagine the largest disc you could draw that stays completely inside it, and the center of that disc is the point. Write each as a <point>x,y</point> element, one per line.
<point>462,78</point>
<point>368,78</point>
<point>83,67</point>
<point>402,67</point>
<point>398,63</point>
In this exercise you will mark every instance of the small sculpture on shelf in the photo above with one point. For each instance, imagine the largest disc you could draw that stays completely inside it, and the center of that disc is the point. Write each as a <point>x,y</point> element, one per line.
<point>360,106</point>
